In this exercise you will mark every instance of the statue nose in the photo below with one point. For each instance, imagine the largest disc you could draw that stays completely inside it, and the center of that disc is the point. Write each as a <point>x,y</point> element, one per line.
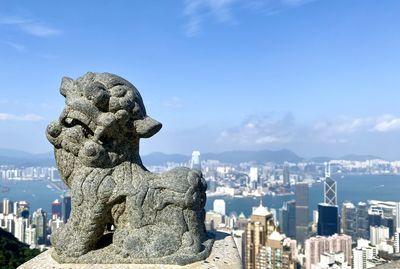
<point>147,127</point>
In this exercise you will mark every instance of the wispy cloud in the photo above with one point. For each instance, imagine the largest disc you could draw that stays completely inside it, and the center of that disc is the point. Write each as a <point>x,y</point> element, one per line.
<point>30,26</point>
<point>197,12</point>
<point>174,102</point>
<point>16,46</point>
<point>26,117</point>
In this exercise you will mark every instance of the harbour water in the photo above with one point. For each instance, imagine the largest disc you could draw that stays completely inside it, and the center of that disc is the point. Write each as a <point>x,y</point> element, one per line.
<point>350,188</point>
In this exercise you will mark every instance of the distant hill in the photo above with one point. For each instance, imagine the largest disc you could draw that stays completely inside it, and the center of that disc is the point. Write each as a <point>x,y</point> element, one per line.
<point>18,157</point>
<point>158,158</point>
<point>348,157</point>
<point>361,158</point>
<point>234,157</point>
<point>12,252</point>
<point>262,156</point>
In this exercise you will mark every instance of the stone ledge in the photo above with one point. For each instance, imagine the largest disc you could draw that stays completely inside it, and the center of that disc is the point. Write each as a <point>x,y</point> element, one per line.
<point>224,255</point>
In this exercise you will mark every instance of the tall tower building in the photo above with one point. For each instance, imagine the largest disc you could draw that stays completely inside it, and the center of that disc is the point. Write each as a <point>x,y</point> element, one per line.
<point>362,222</point>
<point>219,206</point>
<point>328,219</point>
<point>302,197</point>
<point>258,229</point>
<point>327,169</point>
<point>66,207</point>
<point>349,220</point>
<point>7,206</point>
<point>195,162</point>
<point>330,191</point>
<point>288,219</point>
<point>39,219</point>
<point>56,209</point>
<point>286,175</point>
<point>398,215</point>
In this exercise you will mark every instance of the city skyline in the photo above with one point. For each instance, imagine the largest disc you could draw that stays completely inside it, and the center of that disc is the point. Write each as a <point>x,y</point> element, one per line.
<point>317,77</point>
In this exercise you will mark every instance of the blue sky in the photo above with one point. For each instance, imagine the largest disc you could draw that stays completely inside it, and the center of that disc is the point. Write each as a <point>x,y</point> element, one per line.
<point>318,77</point>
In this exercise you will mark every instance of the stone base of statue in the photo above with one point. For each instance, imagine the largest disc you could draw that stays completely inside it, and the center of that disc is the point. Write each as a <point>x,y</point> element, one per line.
<point>224,254</point>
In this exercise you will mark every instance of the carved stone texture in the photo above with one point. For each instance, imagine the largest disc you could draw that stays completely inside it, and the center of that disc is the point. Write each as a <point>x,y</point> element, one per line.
<point>121,212</point>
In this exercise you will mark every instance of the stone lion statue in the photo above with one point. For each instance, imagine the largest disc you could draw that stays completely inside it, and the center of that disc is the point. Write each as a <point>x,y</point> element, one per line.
<point>121,212</point>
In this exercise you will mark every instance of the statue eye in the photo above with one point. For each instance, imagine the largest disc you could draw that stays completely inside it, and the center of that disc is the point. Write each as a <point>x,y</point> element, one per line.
<point>70,122</point>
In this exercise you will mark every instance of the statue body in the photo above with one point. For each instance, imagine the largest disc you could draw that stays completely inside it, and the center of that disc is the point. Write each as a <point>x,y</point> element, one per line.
<point>155,218</point>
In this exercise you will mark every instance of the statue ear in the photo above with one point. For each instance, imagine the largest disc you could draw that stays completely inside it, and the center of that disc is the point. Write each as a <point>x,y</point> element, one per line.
<point>66,85</point>
<point>147,127</point>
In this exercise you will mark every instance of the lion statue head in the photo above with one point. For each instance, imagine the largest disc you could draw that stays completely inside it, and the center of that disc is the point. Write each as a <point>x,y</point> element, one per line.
<point>101,124</point>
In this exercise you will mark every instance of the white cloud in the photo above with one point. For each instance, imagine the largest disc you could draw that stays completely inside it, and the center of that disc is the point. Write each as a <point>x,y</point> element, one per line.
<point>26,117</point>
<point>386,123</point>
<point>29,26</point>
<point>199,11</point>
<point>260,131</point>
<point>282,130</point>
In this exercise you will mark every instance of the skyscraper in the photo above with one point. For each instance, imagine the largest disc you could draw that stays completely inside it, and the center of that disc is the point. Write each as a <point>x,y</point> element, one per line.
<point>349,221</point>
<point>66,207</point>
<point>195,162</point>
<point>398,215</point>
<point>362,223</point>
<point>328,219</point>
<point>56,209</point>
<point>302,197</point>
<point>288,218</point>
<point>219,206</point>
<point>330,191</point>
<point>39,219</point>
<point>258,229</point>
<point>7,206</point>
<point>286,175</point>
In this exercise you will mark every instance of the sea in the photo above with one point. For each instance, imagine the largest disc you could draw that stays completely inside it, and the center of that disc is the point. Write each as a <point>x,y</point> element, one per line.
<point>39,194</point>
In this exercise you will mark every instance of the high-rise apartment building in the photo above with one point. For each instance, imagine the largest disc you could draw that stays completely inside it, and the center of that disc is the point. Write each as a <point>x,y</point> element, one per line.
<point>397,241</point>
<point>302,200</point>
<point>276,254</point>
<point>378,234</point>
<point>260,226</point>
<point>264,246</point>
<point>315,246</point>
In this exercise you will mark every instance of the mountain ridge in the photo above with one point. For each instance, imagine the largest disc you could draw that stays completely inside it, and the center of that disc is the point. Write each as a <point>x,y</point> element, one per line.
<point>23,158</point>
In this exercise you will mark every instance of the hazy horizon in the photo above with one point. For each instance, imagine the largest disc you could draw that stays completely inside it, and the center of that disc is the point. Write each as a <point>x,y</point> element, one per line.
<point>319,78</point>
